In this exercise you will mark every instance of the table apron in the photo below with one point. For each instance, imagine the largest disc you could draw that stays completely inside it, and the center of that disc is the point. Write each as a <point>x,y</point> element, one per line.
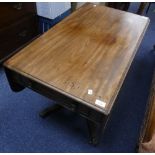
<point>18,82</point>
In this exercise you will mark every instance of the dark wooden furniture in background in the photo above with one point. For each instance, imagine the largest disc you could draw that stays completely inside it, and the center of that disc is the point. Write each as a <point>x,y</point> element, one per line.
<point>142,8</point>
<point>81,62</point>
<point>18,26</point>
<point>147,137</point>
<point>125,6</point>
<point>119,5</point>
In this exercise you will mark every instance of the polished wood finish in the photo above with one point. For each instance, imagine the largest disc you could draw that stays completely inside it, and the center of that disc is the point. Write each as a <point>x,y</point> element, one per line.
<point>119,5</point>
<point>11,12</point>
<point>18,26</point>
<point>91,49</point>
<point>96,121</point>
<point>18,82</point>
<point>148,129</point>
<point>151,118</point>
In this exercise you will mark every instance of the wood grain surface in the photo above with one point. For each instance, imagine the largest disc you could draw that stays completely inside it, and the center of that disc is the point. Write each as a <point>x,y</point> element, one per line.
<point>91,50</point>
<point>150,120</point>
<point>147,135</point>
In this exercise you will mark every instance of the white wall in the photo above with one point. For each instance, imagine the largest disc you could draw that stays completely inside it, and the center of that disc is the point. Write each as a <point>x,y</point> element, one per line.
<point>52,9</point>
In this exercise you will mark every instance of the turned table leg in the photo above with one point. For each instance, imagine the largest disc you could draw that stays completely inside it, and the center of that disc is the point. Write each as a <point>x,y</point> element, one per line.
<point>95,131</point>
